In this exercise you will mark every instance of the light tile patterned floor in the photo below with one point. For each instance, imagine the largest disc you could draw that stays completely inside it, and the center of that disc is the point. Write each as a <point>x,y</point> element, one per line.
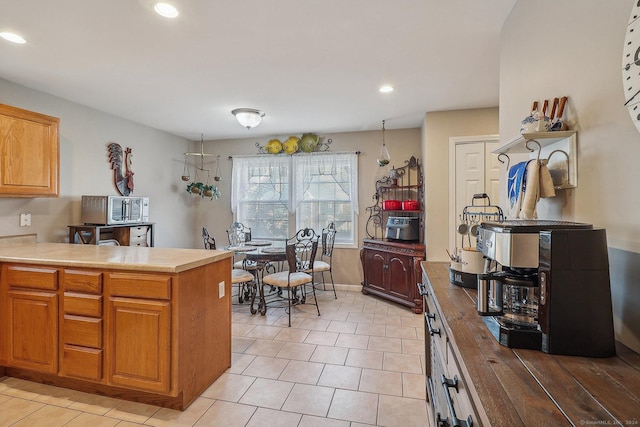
<point>359,364</point>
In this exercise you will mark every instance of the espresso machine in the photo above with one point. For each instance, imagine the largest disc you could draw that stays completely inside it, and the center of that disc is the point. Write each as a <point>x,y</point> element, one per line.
<point>545,286</point>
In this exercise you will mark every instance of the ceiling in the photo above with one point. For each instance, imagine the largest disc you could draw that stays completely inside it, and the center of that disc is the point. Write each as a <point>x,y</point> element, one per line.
<point>310,65</point>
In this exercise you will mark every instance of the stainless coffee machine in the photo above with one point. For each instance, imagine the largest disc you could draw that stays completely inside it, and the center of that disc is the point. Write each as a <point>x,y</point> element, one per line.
<point>545,286</point>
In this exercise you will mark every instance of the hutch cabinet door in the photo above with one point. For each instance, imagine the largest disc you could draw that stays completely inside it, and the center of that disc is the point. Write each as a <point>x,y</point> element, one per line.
<point>401,283</point>
<point>375,271</point>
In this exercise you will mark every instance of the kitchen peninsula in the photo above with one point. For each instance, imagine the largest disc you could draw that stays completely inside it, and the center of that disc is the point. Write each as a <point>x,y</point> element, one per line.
<point>151,325</point>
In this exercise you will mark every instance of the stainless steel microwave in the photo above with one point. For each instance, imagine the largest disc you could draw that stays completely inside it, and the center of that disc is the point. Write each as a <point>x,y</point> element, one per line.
<point>111,210</point>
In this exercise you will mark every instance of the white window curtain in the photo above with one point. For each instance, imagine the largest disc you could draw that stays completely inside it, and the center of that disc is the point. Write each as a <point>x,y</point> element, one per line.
<point>264,169</point>
<point>340,169</point>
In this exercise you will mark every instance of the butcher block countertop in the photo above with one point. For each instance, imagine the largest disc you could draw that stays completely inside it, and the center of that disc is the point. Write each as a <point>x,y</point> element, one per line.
<point>512,387</point>
<point>164,260</point>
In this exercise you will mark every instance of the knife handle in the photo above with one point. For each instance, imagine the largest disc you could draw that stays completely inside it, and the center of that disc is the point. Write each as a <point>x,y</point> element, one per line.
<point>544,107</point>
<point>554,107</point>
<point>563,102</point>
<point>534,107</point>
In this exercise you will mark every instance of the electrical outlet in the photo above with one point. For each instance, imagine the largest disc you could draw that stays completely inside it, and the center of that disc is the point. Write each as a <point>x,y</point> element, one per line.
<point>221,289</point>
<point>25,220</point>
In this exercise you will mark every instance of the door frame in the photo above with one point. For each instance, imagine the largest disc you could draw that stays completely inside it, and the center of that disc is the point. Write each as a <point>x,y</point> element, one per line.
<point>453,142</point>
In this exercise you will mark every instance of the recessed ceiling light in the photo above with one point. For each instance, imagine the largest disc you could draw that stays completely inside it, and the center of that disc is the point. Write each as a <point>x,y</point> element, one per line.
<point>386,89</point>
<point>12,37</point>
<point>166,10</point>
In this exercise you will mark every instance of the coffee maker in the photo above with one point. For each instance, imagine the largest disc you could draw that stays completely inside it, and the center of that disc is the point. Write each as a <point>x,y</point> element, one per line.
<point>545,286</point>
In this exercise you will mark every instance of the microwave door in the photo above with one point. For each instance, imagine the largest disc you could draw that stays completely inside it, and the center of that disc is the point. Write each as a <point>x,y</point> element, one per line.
<point>117,210</point>
<point>135,210</point>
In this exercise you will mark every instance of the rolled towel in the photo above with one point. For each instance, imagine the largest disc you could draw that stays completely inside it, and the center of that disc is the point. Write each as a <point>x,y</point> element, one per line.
<point>546,182</point>
<point>531,191</point>
<point>515,182</point>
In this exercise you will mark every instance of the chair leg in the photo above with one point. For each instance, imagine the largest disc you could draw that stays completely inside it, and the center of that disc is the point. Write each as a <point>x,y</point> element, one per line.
<point>315,298</point>
<point>333,284</point>
<point>289,300</point>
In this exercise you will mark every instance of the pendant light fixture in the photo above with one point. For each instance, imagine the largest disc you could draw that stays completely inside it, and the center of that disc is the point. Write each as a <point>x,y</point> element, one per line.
<point>383,157</point>
<point>248,117</point>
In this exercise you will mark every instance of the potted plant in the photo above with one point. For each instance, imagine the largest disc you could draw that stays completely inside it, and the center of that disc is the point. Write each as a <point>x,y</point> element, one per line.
<point>195,187</point>
<point>204,190</point>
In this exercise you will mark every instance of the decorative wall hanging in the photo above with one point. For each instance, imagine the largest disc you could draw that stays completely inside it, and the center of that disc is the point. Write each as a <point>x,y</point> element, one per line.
<point>307,143</point>
<point>202,189</point>
<point>121,165</point>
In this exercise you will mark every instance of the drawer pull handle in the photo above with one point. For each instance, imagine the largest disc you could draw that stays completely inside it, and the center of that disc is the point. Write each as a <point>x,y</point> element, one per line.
<point>456,422</point>
<point>432,331</point>
<point>422,289</point>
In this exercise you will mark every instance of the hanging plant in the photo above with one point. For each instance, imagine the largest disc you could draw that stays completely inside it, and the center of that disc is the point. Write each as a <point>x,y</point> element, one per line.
<point>204,190</point>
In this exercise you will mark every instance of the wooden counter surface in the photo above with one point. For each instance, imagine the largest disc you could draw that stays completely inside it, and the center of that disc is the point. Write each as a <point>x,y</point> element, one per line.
<point>513,387</point>
<point>165,260</point>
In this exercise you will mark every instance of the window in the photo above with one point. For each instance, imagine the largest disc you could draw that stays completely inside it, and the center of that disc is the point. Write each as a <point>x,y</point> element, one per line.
<point>323,189</point>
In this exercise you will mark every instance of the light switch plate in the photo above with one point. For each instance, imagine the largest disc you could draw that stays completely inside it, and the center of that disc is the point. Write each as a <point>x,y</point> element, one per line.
<point>221,290</point>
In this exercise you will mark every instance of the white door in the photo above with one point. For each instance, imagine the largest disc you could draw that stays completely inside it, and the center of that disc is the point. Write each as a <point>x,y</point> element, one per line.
<point>474,169</point>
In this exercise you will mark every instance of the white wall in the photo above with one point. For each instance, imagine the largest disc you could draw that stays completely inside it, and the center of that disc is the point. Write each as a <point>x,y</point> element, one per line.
<point>438,127</point>
<point>85,169</point>
<point>551,48</point>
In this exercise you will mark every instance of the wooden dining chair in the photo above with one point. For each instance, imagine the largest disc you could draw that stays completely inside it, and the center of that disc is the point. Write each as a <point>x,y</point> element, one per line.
<point>301,252</point>
<point>323,264</point>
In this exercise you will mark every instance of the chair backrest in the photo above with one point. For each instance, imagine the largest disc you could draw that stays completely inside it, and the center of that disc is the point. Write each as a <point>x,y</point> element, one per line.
<point>301,253</point>
<point>209,240</point>
<point>328,240</point>
<point>304,234</point>
<point>238,233</point>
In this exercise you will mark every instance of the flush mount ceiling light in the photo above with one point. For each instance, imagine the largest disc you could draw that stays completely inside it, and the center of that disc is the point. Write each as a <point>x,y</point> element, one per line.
<point>166,10</point>
<point>386,89</point>
<point>12,37</point>
<point>248,117</point>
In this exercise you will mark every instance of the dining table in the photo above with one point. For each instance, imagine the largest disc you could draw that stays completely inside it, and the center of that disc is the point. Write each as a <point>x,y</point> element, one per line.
<point>267,258</point>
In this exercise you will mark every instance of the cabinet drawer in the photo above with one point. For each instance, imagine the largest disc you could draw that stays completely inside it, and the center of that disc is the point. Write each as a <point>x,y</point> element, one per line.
<point>19,276</point>
<point>82,362</point>
<point>138,236</point>
<point>140,286</point>
<point>82,331</point>
<point>461,398</point>
<point>82,304</point>
<point>82,281</point>
<point>434,327</point>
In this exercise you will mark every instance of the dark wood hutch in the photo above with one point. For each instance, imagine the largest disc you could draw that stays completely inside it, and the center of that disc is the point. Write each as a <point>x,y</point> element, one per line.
<point>392,266</point>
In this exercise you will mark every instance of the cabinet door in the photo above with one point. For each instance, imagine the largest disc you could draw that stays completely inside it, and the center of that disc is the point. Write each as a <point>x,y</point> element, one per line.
<point>29,153</point>
<point>401,283</point>
<point>375,270</point>
<point>32,329</point>
<point>138,344</point>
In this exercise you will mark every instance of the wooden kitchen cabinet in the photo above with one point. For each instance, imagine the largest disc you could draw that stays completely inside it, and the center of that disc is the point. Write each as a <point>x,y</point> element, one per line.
<point>82,331</point>
<point>29,153</point>
<point>143,324</point>
<point>29,314</point>
<point>391,271</point>
<point>139,331</point>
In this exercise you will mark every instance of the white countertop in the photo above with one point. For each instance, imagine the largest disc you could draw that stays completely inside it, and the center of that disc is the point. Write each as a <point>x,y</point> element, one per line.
<point>168,260</point>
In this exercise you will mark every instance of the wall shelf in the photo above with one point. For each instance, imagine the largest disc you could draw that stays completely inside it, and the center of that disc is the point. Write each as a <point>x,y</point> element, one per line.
<point>563,169</point>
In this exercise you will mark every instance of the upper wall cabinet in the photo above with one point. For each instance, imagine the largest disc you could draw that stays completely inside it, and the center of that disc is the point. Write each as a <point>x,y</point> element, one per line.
<point>29,153</point>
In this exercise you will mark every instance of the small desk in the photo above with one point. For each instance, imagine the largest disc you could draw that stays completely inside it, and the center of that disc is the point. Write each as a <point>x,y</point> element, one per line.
<point>138,234</point>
